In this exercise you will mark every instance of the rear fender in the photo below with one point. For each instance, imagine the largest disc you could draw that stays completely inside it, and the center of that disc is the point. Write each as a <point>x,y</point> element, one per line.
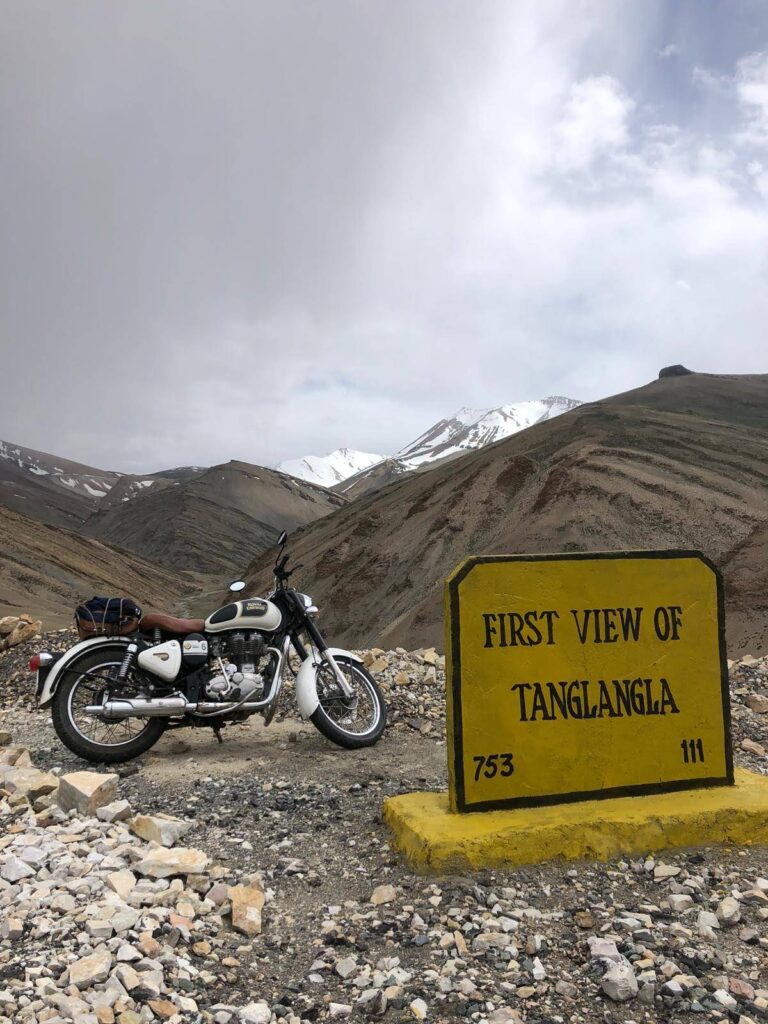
<point>58,670</point>
<point>306,681</point>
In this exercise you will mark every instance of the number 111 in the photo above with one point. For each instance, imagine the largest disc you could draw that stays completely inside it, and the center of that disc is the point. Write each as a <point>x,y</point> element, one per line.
<point>693,750</point>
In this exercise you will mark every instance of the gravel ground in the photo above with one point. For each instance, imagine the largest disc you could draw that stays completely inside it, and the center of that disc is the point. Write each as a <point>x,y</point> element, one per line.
<point>350,931</point>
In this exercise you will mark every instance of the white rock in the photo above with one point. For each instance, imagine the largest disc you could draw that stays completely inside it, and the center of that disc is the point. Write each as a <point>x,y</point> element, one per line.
<point>729,911</point>
<point>347,967</point>
<point>163,863</point>
<point>29,782</point>
<point>419,1009</point>
<point>90,970</point>
<point>15,869</point>
<point>383,894</point>
<point>619,982</point>
<point>86,791</point>
<point>679,902</point>
<point>336,1010</point>
<point>255,1013</point>
<point>118,810</point>
<point>98,929</point>
<point>128,954</point>
<point>160,828</point>
<point>247,902</point>
<point>603,949</point>
<point>121,882</point>
<point>661,872</point>
<point>707,923</point>
<point>725,999</point>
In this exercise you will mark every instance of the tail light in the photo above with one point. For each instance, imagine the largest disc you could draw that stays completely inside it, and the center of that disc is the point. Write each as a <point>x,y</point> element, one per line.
<point>38,661</point>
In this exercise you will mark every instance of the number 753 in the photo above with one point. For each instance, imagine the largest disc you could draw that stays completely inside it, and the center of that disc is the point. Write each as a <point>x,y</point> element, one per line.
<point>491,765</point>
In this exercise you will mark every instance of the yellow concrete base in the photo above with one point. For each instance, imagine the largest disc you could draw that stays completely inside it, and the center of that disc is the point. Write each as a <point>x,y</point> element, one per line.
<point>434,839</point>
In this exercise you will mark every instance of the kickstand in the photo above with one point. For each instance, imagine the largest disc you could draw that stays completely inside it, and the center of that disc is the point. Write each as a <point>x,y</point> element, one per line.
<point>217,730</point>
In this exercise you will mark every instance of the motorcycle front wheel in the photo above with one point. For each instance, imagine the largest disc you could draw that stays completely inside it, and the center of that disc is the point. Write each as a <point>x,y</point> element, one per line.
<point>86,681</point>
<point>351,722</point>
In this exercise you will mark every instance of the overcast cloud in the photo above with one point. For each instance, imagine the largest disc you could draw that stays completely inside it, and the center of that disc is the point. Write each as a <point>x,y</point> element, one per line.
<point>260,229</point>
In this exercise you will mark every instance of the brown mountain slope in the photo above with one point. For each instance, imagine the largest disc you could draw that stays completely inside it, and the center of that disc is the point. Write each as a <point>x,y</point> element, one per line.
<point>47,570</point>
<point>679,463</point>
<point>215,521</point>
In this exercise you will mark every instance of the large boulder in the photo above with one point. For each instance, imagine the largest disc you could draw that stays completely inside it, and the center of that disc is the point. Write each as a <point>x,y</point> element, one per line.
<point>84,792</point>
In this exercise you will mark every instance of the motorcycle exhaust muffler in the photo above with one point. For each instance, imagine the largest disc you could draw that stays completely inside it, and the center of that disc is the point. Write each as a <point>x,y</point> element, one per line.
<point>140,707</point>
<point>164,707</point>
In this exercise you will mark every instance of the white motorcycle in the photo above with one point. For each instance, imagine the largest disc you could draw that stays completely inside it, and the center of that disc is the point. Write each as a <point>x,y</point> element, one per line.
<point>113,696</point>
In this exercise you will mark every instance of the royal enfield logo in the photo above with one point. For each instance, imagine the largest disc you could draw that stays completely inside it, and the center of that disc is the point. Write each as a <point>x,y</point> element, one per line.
<point>254,607</point>
<point>161,655</point>
<point>195,646</point>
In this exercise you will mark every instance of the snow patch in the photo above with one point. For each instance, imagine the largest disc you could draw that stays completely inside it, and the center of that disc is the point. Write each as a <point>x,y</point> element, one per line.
<point>328,470</point>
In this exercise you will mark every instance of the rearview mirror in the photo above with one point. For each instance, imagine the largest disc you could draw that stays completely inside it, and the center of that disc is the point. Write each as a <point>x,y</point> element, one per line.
<point>237,586</point>
<point>282,539</point>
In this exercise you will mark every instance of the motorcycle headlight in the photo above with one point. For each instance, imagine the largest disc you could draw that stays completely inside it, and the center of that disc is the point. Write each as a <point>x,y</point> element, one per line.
<point>309,606</point>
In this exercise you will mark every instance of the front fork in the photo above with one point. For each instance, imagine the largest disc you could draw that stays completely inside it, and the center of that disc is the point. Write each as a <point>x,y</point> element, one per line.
<point>325,655</point>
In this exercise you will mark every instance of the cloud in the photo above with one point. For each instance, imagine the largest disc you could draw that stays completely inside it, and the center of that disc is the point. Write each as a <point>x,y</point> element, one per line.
<point>751,82</point>
<point>271,229</point>
<point>594,122</point>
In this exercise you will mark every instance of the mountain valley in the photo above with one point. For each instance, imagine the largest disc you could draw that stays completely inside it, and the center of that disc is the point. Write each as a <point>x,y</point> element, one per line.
<point>679,463</point>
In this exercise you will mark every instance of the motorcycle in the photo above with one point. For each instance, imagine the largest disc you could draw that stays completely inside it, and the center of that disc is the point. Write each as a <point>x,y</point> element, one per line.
<point>112,697</point>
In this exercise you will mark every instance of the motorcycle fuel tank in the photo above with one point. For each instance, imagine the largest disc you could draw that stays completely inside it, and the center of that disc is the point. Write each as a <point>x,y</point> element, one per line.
<point>252,613</point>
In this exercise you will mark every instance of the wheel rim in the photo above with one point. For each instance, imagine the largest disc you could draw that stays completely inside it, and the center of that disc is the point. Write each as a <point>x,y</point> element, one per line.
<point>356,716</point>
<point>88,690</point>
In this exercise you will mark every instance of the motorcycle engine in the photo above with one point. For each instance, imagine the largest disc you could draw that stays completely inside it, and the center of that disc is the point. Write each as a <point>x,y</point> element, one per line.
<point>234,665</point>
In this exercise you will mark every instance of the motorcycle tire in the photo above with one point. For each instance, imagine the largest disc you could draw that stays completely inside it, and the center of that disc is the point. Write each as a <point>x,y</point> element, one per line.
<point>126,746</point>
<point>334,710</point>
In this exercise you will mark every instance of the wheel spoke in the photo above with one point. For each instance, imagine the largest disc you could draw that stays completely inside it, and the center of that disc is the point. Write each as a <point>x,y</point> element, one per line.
<point>87,690</point>
<point>355,715</point>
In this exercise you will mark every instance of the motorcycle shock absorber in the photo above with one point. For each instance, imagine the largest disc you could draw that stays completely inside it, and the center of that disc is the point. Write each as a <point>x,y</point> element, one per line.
<point>130,655</point>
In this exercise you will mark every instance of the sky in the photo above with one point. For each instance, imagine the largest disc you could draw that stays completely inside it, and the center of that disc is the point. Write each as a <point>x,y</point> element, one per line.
<point>258,230</point>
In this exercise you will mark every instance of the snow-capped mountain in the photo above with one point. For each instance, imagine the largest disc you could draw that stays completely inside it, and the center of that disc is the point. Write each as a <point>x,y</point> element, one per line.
<point>468,429</point>
<point>66,493</point>
<point>464,431</point>
<point>329,470</point>
<point>49,469</point>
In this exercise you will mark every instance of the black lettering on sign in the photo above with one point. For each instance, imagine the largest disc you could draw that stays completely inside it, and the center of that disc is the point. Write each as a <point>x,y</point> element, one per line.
<point>580,698</point>
<point>693,750</point>
<point>519,629</point>
<point>492,765</point>
<point>607,625</point>
<point>667,622</point>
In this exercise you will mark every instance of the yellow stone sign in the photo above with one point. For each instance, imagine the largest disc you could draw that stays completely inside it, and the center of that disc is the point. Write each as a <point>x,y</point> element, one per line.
<point>579,676</point>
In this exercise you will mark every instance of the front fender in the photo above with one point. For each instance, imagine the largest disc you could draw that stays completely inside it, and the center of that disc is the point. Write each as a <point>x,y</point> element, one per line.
<point>57,671</point>
<point>306,681</point>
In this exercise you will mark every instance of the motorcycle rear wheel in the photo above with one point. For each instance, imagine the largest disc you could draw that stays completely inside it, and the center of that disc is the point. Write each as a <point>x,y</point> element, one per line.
<point>92,738</point>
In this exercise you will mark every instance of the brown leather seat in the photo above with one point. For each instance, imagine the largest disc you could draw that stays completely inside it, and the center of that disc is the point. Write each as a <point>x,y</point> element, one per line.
<point>168,624</point>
